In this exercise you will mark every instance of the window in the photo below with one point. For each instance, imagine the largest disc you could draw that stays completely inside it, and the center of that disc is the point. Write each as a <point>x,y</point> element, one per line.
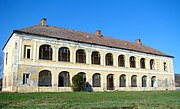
<point>45,52</point>
<point>110,82</point>
<point>45,78</point>
<point>152,64</point>
<point>165,66</point>
<point>83,75</point>
<point>142,63</point>
<point>153,81</point>
<point>27,51</point>
<point>15,45</point>
<point>122,80</point>
<point>64,80</point>
<point>144,80</point>
<point>132,62</point>
<point>96,80</point>
<point>121,61</point>
<point>95,57</point>
<point>166,82</point>
<point>80,56</point>
<point>64,54</point>
<point>109,59</point>
<point>134,81</point>
<point>6,58</point>
<point>25,78</point>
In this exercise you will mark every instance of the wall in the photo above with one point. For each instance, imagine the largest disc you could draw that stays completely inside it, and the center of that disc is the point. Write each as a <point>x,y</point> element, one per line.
<point>33,65</point>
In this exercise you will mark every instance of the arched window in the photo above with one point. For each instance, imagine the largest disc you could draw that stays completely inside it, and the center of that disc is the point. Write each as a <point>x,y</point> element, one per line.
<point>110,82</point>
<point>95,57</point>
<point>122,80</point>
<point>64,80</point>
<point>44,78</point>
<point>144,81</point>
<point>64,54</point>
<point>80,56</point>
<point>142,63</point>
<point>121,61</point>
<point>45,52</point>
<point>109,59</point>
<point>134,81</point>
<point>96,80</point>
<point>153,81</point>
<point>152,64</point>
<point>132,62</point>
<point>83,75</point>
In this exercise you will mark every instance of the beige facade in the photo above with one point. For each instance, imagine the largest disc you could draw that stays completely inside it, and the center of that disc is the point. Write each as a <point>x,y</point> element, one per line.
<point>22,67</point>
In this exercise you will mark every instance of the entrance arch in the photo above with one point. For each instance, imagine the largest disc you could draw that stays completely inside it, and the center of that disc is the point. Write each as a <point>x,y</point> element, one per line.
<point>110,82</point>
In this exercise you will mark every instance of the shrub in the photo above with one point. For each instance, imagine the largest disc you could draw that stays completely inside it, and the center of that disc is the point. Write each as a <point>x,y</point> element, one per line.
<point>77,83</point>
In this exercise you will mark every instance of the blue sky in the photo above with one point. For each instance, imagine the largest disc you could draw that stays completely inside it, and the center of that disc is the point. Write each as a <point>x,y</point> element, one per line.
<point>155,22</point>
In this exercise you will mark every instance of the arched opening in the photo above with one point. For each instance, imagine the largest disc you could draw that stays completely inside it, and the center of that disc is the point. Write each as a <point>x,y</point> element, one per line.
<point>153,81</point>
<point>144,81</point>
<point>83,75</point>
<point>121,61</point>
<point>152,64</point>
<point>132,61</point>
<point>134,81</point>
<point>142,63</point>
<point>45,78</point>
<point>95,57</point>
<point>96,80</point>
<point>110,82</point>
<point>45,52</point>
<point>64,79</point>
<point>80,56</point>
<point>122,80</point>
<point>64,54</point>
<point>109,59</point>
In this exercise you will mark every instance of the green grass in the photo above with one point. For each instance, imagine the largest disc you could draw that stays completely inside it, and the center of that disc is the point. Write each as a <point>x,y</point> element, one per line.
<point>108,100</point>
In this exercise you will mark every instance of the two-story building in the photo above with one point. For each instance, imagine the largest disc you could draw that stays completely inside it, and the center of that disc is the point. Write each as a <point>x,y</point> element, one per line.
<point>44,58</point>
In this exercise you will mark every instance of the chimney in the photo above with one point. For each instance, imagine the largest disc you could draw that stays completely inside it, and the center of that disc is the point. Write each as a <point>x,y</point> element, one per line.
<point>43,21</point>
<point>98,33</point>
<point>138,41</point>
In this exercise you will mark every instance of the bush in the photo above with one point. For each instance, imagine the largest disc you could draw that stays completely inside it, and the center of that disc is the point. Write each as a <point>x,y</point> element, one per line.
<point>77,83</point>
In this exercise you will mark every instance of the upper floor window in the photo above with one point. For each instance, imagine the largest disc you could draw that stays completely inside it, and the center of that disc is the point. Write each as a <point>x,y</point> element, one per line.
<point>64,54</point>
<point>95,57</point>
<point>15,45</point>
<point>6,58</point>
<point>152,64</point>
<point>45,52</point>
<point>27,51</point>
<point>142,63</point>
<point>165,66</point>
<point>109,59</point>
<point>132,62</point>
<point>121,61</point>
<point>80,56</point>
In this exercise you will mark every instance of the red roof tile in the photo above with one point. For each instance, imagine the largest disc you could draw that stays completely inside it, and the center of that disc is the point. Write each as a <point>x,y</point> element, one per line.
<point>73,35</point>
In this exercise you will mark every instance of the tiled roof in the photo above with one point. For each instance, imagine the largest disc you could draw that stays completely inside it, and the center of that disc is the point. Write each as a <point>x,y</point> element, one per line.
<point>84,37</point>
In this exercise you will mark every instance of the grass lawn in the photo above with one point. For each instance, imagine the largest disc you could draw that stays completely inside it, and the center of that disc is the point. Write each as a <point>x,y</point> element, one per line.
<point>108,100</point>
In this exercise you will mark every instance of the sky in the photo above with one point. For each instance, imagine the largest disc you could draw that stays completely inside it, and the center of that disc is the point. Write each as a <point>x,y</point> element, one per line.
<point>155,22</point>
